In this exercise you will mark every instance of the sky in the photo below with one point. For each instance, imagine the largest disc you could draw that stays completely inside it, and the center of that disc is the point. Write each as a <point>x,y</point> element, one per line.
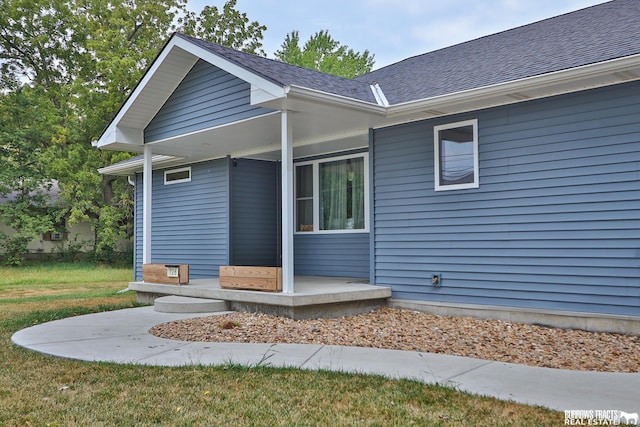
<point>394,30</point>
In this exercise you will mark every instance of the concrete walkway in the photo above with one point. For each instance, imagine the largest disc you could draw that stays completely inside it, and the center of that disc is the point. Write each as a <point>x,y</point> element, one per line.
<point>123,337</point>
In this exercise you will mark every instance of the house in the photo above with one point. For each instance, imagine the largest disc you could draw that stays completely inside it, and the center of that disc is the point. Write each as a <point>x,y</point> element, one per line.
<point>80,235</point>
<point>501,173</point>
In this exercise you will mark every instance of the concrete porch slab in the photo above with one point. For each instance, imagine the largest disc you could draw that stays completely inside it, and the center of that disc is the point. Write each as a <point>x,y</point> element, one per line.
<point>177,304</point>
<point>314,296</point>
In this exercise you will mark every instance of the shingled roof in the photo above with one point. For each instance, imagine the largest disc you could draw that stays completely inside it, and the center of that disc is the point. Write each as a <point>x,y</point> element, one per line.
<point>587,36</point>
<point>587,48</point>
<point>285,74</point>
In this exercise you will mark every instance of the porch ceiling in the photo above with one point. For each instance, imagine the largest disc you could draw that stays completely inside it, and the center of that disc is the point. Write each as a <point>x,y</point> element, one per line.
<point>317,129</point>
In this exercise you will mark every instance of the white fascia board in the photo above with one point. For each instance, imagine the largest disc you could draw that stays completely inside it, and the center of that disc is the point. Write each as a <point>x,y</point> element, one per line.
<point>258,84</point>
<point>574,79</point>
<point>108,137</point>
<point>333,99</point>
<point>127,135</point>
<point>121,135</point>
<point>133,166</point>
<point>260,96</point>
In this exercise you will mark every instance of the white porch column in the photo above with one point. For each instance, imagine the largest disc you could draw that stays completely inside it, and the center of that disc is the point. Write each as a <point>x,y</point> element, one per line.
<point>147,185</point>
<point>287,203</point>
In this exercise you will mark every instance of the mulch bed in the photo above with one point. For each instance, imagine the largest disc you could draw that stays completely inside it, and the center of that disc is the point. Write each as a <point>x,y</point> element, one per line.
<point>414,331</point>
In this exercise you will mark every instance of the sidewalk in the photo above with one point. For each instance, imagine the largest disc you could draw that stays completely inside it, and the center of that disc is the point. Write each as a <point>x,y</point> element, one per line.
<point>122,337</point>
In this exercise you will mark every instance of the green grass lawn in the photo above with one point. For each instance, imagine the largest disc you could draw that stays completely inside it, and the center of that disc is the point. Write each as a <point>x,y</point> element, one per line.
<point>37,390</point>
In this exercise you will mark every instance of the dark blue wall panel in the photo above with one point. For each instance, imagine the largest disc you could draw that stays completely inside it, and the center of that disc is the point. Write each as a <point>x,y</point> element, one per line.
<point>255,196</point>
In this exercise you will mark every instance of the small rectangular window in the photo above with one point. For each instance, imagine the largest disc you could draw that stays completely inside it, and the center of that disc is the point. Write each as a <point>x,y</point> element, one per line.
<point>456,155</point>
<point>176,176</point>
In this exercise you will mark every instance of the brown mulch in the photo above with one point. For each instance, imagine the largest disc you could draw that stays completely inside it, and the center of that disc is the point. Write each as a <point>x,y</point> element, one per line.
<point>414,331</point>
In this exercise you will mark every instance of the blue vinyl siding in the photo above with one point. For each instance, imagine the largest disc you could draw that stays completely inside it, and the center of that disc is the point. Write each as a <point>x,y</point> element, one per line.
<point>189,220</point>
<point>255,197</point>
<point>192,224</point>
<point>207,97</point>
<point>555,223</point>
<point>335,255</point>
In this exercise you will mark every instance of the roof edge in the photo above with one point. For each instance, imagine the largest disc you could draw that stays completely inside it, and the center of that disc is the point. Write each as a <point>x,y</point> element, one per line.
<point>600,74</point>
<point>333,99</point>
<point>131,166</point>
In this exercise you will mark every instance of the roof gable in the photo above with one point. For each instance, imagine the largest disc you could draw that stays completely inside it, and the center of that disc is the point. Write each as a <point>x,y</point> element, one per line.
<point>592,47</point>
<point>268,79</point>
<point>179,55</point>
<point>206,97</point>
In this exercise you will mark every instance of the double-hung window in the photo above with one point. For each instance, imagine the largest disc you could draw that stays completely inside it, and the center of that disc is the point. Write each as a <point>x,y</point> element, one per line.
<point>332,195</point>
<point>456,155</point>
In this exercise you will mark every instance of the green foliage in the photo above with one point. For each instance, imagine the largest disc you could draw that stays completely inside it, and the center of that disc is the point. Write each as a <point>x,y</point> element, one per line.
<point>65,67</point>
<point>69,251</point>
<point>35,36</point>
<point>14,247</point>
<point>228,27</point>
<point>27,124</point>
<point>323,53</point>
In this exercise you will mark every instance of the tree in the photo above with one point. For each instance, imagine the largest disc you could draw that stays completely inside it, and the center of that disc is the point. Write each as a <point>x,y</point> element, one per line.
<point>26,123</point>
<point>77,61</point>
<point>229,28</point>
<point>321,52</point>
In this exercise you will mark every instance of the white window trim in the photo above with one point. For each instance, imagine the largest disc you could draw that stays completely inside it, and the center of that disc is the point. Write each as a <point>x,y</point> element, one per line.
<point>177,181</point>
<point>316,195</point>
<point>436,158</point>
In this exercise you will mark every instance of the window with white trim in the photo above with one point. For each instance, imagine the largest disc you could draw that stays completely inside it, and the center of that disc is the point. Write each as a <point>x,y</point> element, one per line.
<point>176,176</point>
<point>332,195</point>
<point>456,155</point>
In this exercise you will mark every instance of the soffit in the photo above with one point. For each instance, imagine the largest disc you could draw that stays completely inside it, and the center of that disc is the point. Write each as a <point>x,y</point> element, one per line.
<point>317,129</point>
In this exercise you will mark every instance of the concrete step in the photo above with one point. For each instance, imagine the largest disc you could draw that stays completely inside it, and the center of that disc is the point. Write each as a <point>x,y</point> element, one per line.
<point>178,304</point>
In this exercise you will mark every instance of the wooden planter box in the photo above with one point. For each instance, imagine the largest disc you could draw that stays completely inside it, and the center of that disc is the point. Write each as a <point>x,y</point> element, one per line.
<point>267,279</point>
<point>173,274</point>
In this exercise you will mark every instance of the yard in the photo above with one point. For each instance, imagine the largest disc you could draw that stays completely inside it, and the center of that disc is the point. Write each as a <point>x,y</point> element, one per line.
<point>41,391</point>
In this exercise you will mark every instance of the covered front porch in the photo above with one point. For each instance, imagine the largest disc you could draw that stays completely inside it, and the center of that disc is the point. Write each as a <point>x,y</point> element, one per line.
<point>315,296</point>
<point>221,143</point>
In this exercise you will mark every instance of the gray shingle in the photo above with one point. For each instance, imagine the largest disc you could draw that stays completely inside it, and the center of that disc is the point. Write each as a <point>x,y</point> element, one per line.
<point>595,34</point>
<point>286,74</point>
